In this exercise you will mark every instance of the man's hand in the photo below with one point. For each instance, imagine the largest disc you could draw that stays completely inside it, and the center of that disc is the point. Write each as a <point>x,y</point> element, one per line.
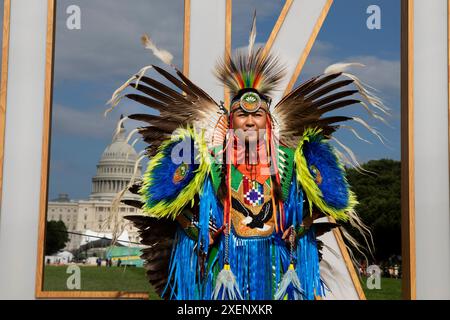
<point>287,233</point>
<point>213,237</point>
<point>306,224</point>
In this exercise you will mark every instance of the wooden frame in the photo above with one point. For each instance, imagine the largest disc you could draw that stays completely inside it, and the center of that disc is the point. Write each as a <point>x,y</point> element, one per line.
<point>3,85</point>
<point>228,20</point>
<point>186,36</point>
<point>348,262</point>
<point>408,236</point>
<point>40,293</point>
<point>312,39</point>
<point>277,26</point>
<point>407,152</point>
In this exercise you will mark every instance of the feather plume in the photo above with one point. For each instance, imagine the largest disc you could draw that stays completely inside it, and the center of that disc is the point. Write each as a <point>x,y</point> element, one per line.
<point>290,281</point>
<point>141,73</point>
<point>115,98</point>
<point>371,129</point>
<point>158,235</point>
<point>131,134</point>
<point>257,71</point>
<point>119,127</point>
<point>163,55</point>
<point>226,286</point>
<point>355,133</point>
<point>252,38</point>
<point>181,105</point>
<point>348,151</point>
<point>361,86</point>
<point>341,67</point>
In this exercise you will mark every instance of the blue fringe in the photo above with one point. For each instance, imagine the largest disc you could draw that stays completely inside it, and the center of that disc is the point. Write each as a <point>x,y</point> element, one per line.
<point>208,208</point>
<point>251,263</point>
<point>209,282</point>
<point>308,266</point>
<point>258,263</point>
<point>183,269</point>
<point>293,207</point>
<point>307,257</point>
<point>282,259</point>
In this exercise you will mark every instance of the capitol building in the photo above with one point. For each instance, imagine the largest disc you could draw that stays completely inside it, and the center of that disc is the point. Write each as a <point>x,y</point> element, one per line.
<point>114,171</point>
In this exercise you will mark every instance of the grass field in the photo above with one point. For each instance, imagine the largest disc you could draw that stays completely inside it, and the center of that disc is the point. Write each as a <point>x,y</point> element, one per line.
<point>133,279</point>
<point>129,279</point>
<point>391,289</point>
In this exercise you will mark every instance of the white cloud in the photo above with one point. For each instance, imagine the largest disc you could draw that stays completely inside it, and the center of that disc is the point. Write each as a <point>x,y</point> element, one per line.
<point>84,123</point>
<point>91,122</point>
<point>108,43</point>
<point>380,73</point>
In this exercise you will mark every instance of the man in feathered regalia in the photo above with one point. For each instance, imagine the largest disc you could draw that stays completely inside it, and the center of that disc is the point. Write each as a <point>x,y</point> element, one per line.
<point>232,192</point>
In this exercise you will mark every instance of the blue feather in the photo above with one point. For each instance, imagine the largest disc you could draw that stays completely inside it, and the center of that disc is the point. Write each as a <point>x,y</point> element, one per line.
<point>308,265</point>
<point>334,186</point>
<point>183,284</point>
<point>163,186</point>
<point>293,207</point>
<point>209,210</point>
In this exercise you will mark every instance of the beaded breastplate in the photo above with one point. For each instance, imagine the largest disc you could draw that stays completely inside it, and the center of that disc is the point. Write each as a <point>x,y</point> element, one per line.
<point>252,210</point>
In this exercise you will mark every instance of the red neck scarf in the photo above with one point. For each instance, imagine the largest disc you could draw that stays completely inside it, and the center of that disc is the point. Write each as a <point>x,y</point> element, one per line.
<point>253,164</point>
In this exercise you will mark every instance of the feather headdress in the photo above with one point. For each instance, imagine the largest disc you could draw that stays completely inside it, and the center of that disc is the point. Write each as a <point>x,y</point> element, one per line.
<point>250,68</point>
<point>260,72</point>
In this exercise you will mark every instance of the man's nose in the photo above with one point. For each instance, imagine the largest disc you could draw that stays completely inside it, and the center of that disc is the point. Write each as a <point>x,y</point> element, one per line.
<point>250,123</point>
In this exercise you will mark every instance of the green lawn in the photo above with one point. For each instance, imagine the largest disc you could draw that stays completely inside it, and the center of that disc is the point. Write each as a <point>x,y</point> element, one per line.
<point>391,289</point>
<point>131,279</point>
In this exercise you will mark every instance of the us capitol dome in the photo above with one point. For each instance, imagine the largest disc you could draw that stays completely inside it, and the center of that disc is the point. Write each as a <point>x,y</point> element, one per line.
<point>113,173</point>
<point>115,169</point>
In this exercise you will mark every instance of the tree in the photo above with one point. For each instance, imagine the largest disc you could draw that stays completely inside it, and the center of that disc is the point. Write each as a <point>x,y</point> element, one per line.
<point>56,237</point>
<point>379,207</point>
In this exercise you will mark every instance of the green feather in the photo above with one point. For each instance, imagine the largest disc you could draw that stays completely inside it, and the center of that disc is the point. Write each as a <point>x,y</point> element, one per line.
<point>172,208</point>
<point>312,190</point>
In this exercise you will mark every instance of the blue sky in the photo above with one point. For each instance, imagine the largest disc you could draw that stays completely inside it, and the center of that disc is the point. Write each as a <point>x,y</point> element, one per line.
<point>92,62</point>
<point>350,40</point>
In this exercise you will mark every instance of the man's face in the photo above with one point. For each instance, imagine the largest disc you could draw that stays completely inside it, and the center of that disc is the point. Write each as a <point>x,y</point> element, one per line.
<point>249,124</point>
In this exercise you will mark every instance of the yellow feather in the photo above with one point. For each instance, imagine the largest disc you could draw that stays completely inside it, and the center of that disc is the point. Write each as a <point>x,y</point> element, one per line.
<point>172,209</point>
<point>312,190</point>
